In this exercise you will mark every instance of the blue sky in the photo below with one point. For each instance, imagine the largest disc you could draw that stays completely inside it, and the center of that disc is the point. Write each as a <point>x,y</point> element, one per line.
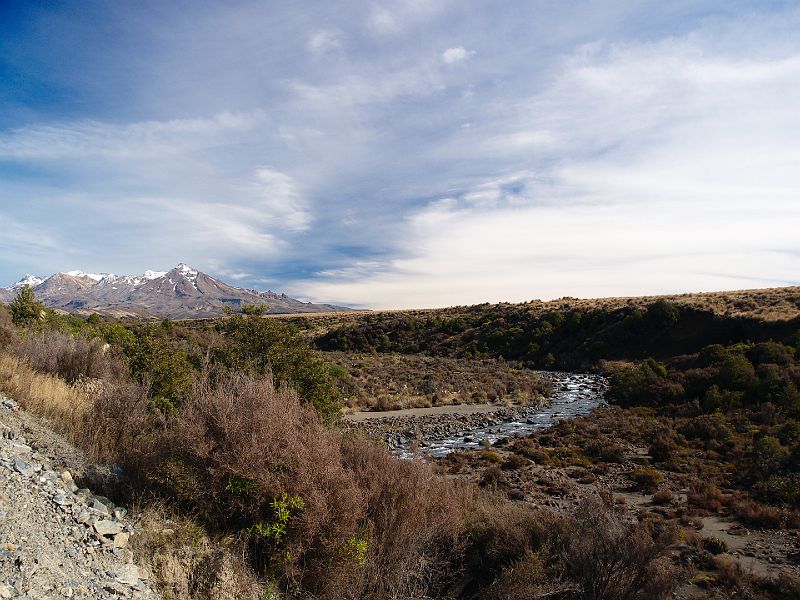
<point>409,153</point>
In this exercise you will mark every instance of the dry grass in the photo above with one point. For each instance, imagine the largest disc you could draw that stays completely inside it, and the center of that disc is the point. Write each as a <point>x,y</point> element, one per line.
<point>186,563</point>
<point>394,381</point>
<point>44,395</point>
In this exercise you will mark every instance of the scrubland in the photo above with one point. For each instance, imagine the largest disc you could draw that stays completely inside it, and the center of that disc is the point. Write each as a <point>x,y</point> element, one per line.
<point>228,429</point>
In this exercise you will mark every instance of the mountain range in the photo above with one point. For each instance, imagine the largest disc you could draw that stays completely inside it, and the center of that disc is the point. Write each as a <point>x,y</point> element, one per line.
<point>181,293</point>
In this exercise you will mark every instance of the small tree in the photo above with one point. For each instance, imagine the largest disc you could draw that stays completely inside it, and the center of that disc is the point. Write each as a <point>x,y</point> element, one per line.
<point>254,310</point>
<point>25,308</point>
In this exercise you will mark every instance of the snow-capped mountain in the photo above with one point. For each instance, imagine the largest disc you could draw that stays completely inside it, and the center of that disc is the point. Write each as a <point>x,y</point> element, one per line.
<point>182,292</point>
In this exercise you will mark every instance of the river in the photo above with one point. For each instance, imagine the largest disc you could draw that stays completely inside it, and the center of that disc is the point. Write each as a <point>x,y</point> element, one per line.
<point>437,434</point>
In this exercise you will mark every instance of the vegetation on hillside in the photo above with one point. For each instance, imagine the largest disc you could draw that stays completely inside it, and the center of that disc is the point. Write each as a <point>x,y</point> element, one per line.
<point>566,339</point>
<point>316,512</point>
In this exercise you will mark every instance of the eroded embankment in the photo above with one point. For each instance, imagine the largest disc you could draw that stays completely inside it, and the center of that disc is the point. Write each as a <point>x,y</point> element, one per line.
<point>57,540</point>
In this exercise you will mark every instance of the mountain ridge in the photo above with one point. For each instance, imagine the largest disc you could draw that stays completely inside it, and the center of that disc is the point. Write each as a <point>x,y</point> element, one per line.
<point>180,293</point>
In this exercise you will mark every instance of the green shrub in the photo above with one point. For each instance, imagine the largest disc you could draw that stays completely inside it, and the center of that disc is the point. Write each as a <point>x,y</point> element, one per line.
<point>25,309</point>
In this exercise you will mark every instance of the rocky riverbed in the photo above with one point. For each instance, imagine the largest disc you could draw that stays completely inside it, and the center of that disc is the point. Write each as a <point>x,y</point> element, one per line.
<point>574,394</point>
<point>57,540</point>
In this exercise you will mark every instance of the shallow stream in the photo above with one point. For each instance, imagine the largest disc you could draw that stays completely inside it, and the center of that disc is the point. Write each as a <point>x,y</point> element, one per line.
<point>574,394</point>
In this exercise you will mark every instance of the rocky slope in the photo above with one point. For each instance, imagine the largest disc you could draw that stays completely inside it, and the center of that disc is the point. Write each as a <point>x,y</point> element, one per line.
<point>57,540</point>
<point>180,293</point>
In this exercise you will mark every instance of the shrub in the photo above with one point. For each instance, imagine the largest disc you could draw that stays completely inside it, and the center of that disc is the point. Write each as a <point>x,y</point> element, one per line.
<point>663,447</point>
<point>500,535</point>
<point>515,462</point>
<point>606,450</point>
<point>165,368</point>
<point>70,357</point>
<point>268,348</point>
<point>646,479</point>
<point>663,497</point>
<point>705,495</point>
<point>8,334</point>
<point>25,309</point>
<point>706,428</point>
<point>493,477</point>
<point>413,528</point>
<point>781,489</point>
<point>714,545</point>
<point>614,560</point>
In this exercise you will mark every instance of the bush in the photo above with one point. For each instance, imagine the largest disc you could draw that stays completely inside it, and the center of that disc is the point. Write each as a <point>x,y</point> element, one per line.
<point>70,357</point>
<point>613,560</point>
<point>663,497</point>
<point>646,479</point>
<point>25,309</point>
<point>333,516</point>
<point>605,450</point>
<point>414,527</point>
<point>714,545</point>
<point>8,334</point>
<point>663,447</point>
<point>501,535</point>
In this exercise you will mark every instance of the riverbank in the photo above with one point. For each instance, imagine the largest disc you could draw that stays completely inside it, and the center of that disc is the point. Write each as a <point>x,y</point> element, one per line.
<point>439,430</point>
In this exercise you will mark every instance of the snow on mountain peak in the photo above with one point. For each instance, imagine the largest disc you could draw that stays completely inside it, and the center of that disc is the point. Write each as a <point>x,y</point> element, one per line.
<point>95,276</point>
<point>187,271</point>
<point>30,280</point>
<point>152,274</point>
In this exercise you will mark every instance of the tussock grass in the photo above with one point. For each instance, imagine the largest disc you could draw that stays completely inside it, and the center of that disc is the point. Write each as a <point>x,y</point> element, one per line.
<point>45,395</point>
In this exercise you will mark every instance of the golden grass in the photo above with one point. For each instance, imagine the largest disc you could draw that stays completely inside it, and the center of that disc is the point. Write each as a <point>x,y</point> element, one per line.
<point>44,395</point>
<point>183,561</point>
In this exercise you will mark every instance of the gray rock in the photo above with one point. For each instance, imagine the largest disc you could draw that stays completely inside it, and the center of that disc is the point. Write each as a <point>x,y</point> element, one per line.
<point>128,574</point>
<point>83,517</point>
<point>102,505</point>
<point>106,527</point>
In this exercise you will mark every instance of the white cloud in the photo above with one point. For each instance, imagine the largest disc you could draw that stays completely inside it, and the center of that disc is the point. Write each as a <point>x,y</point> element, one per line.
<point>324,41</point>
<point>456,54</point>
<point>394,17</point>
<point>149,139</point>
<point>663,167</point>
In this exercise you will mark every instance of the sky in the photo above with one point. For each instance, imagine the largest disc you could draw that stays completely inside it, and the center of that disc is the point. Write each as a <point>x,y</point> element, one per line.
<point>406,153</point>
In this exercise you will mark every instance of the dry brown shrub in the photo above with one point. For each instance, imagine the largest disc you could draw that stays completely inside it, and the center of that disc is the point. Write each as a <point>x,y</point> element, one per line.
<point>414,522</point>
<point>501,535</point>
<point>70,357</point>
<point>613,560</point>
<point>244,430</point>
<point>663,497</point>
<point>761,515</point>
<point>706,496</point>
<point>121,428</point>
<point>8,333</point>
<point>730,572</point>
<point>529,577</point>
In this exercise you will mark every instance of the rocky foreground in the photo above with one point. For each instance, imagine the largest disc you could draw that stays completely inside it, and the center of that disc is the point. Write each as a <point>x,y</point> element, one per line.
<point>57,539</point>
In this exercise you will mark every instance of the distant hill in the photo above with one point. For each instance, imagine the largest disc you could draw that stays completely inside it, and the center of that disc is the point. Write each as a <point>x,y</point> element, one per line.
<point>181,293</point>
